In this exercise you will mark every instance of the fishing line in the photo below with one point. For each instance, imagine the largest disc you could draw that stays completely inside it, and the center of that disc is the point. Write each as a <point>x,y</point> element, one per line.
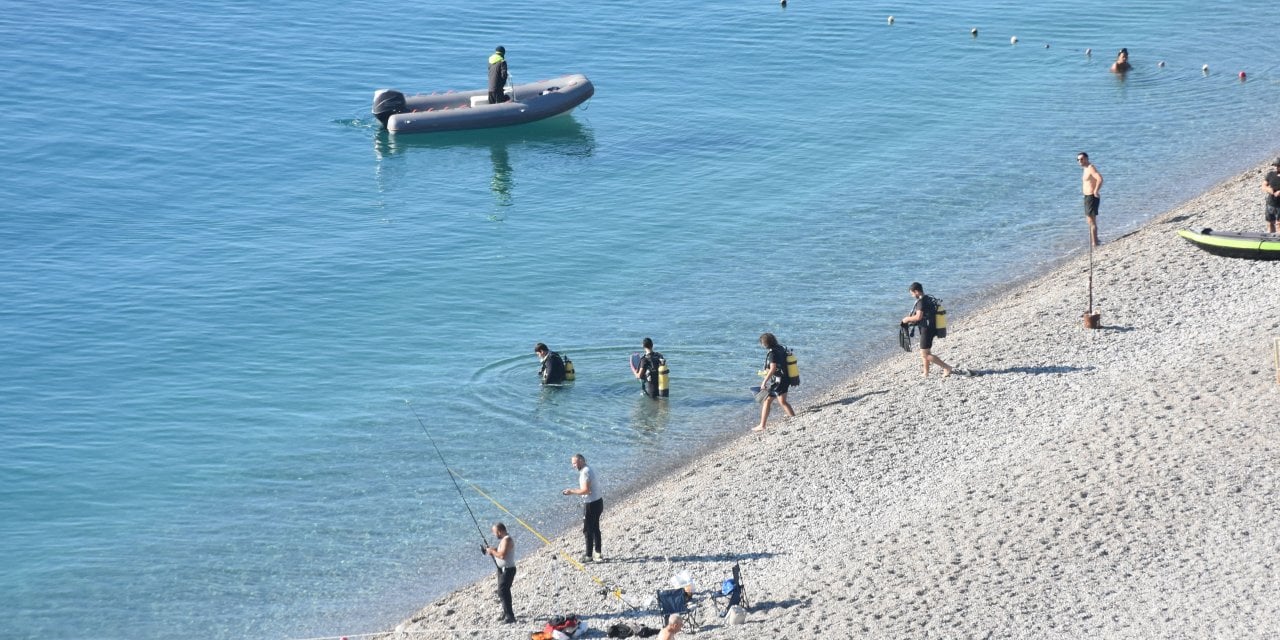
<point>612,590</point>
<point>483,538</point>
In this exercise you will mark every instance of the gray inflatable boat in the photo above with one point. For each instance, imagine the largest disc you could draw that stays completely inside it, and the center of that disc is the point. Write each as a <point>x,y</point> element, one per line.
<point>458,110</point>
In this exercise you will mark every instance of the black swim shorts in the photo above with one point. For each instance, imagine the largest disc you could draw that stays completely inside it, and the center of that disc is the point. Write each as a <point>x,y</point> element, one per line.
<point>926,337</point>
<point>779,388</point>
<point>1273,213</point>
<point>1091,206</point>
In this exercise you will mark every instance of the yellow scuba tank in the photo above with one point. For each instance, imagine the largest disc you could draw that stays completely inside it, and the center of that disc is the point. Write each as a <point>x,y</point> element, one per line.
<point>663,380</point>
<point>939,318</point>
<point>793,368</point>
<point>568,369</point>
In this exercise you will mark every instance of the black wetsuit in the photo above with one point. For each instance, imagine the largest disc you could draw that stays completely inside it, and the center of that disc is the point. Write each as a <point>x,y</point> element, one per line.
<point>649,364</point>
<point>781,382</point>
<point>928,331</point>
<point>552,371</point>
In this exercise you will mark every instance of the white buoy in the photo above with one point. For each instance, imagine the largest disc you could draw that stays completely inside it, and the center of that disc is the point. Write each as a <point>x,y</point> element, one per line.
<point>1046,45</point>
<point>1160,64</point>
<point>890,19</point>
<point>1205,68</point>
<point>1013,40</point>
<point>974,32</point>
<point>1088,53</point>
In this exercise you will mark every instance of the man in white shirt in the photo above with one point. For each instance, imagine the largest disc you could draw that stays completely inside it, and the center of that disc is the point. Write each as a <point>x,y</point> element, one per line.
<point>592,507</point>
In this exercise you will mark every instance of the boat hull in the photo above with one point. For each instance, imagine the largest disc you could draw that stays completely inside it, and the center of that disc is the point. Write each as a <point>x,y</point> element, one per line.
<point>1250,246</point>
<point>462,110</point>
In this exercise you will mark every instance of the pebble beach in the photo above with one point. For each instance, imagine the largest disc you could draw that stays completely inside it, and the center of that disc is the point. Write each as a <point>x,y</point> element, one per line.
<point>1112,483</point>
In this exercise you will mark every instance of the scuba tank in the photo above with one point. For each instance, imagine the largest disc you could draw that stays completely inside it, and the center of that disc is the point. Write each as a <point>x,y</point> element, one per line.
<point>568,369</point>
<point>939,319</point>
<point>793,368</point>
<point>663,379</point>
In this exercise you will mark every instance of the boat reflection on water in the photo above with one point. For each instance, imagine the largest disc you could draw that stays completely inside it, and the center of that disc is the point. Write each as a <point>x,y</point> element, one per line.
<point>562,136</point>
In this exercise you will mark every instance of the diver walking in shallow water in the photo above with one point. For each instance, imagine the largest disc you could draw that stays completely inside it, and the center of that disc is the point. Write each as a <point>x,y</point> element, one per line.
<point>776,381</point>
<point>553,369</point>
<point>651,371</point>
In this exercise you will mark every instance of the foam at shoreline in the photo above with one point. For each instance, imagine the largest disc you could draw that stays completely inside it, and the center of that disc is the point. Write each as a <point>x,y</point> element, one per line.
<point>1118,482</point>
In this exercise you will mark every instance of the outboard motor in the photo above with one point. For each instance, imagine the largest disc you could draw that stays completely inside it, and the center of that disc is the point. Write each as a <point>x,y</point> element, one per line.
<point>387,103</point>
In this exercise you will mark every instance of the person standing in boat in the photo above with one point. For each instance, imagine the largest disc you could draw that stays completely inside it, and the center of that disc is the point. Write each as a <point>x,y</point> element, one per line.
<point>498,75</point>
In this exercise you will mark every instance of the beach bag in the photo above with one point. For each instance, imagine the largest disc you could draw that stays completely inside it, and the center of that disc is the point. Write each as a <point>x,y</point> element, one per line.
<point>564,627</point>
<point>620,630</point>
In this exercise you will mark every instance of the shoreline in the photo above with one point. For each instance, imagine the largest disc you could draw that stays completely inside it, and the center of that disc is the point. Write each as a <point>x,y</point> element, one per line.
<point>1114,481</point>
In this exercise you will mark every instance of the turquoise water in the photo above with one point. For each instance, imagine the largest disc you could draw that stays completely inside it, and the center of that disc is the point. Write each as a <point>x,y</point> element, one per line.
<point>221,283</point>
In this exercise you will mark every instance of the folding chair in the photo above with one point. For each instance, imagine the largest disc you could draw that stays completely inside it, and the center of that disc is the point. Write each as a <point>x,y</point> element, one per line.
<point>677,601</point>
<point>734,590</point>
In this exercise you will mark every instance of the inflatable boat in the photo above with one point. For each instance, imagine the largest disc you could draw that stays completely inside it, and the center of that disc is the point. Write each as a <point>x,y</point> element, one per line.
<point>1253,246</point>
<point>457,110</point>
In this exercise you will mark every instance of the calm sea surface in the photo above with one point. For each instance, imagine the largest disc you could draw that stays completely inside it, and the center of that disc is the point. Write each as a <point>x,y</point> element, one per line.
<point>220,283</point>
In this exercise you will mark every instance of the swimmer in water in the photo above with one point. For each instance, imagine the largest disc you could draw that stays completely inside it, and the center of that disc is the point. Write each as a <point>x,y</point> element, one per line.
<point>1121,64</point>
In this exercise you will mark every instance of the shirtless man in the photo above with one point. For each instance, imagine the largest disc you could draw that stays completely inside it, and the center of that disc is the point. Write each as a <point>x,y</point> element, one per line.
<point>1121,65</point>
<point>1090,184</point>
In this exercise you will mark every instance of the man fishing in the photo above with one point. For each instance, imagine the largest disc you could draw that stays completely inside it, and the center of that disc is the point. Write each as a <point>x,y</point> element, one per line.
<point>504,557</point>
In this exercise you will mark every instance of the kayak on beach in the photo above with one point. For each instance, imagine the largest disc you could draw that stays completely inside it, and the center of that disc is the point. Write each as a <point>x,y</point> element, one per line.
<point>1231,244</point>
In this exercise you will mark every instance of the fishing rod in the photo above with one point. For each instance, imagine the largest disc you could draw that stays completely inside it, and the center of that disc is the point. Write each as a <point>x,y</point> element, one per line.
<point>613,590</point>
<point>480,531</point>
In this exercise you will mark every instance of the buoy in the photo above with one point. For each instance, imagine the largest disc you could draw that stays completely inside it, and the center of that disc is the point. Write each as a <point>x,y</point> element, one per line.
<point>1204,68</point>
<point>974,32</point>
<point>1160,64</point>
<point>1013,40</point>
<point>1242,75</point>
<point>782,2</point>
<point>890,19</point>
<point>1046,45</point>
<point>1088,53</point>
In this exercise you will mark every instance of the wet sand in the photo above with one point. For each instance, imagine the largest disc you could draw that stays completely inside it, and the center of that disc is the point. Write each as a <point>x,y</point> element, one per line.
<point>1121,482</point>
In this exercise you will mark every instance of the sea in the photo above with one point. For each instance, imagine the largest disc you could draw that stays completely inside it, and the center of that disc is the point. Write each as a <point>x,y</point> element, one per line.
<point>245,334</point>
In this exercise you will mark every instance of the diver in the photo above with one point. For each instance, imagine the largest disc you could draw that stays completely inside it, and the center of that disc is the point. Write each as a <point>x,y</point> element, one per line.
<point>651,371</point>
<point>498,75</point>
<point>552,371</point>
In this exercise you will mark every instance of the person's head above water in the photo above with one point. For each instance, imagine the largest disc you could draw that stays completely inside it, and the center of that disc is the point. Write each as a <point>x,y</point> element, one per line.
<point>647,343</point>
